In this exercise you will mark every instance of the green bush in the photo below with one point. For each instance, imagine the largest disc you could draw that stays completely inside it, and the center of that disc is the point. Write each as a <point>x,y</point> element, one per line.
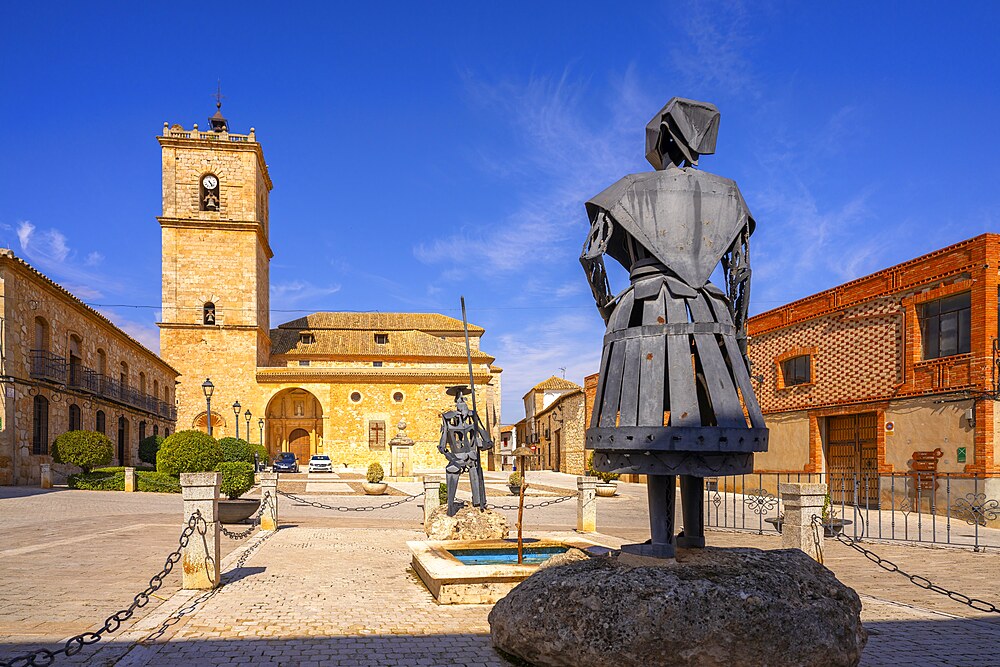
<point>606,477</point>
<point>122,469</point>
<point>188,451</point>
<point>148,447</point>
<point>261,452</point>
<point>97,481</point>
<point>375,473</point>
<point>237,478</point>
<point>236,449</point>
<point>443,493</point>
<point>86,449</point>
<point>157,482</point>
<point>515,479</point>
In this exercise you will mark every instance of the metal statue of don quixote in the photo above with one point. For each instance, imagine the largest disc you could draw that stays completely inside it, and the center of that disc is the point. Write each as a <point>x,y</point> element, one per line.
<point>674,396</point>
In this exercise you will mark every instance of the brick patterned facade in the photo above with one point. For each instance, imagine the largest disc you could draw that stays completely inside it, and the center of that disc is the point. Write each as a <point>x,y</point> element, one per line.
<point>866,351</point>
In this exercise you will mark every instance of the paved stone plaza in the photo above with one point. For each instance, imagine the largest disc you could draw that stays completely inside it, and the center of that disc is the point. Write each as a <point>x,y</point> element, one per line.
<point>335,588</point>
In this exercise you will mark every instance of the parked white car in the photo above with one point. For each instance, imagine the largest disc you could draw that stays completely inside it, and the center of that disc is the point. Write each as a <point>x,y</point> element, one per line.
<point>320,463</point>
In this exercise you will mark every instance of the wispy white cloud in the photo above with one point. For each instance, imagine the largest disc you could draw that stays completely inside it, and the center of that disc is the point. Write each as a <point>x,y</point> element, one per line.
<point>714,56</point>
<point>146,332</point>
<point>297,292</point>
<point>93,259</point>
<point>49,251</point>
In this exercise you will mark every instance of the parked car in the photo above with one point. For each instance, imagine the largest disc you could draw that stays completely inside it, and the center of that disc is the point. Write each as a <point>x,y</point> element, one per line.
<point>286,462</point>
<point>320,463</point>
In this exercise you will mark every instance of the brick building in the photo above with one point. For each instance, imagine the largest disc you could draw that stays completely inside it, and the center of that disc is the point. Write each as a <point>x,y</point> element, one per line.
<point>554,425</point>
<point>332,383</point>
<point>857,378</point>
<point>67,367</point>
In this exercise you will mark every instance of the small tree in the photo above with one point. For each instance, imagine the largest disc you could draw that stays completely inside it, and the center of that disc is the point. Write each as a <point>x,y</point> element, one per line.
<point>515,479</point>
<point>237,478</point>
<point>236,449</point>
<point>188,451</point>
<point>86,449</point>
<point>148,447</point>
<point>375,473</point>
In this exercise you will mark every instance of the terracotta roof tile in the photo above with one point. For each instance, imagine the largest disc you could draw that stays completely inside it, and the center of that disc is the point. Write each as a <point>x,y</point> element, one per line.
<point>428,322</point>
<point>555,383</point>
<point>361,343</point>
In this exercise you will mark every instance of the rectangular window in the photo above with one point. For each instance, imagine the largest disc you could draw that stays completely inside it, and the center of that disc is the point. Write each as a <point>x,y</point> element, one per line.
<point>377,364</point>
<point>307,338</point>
<point>376,435</point>
<point>303,362</point>
<point>381,339</point>
<point>945,325</point>
<point>796,370</point>
<point>40,426</point>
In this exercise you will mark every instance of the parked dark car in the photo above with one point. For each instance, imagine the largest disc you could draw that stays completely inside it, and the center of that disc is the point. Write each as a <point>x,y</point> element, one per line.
<point>286,462</point>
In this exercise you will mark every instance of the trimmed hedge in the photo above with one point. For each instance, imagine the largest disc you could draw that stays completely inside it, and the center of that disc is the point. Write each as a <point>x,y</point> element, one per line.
<point>148,447</point>
<point>443,493</point>
<point>237,478</point>
<point>113,479</point>
<point>188,451</point>
<point>157,482</point>
<point>236,449</point>
<point>86,449</point>
<point>375,473</point>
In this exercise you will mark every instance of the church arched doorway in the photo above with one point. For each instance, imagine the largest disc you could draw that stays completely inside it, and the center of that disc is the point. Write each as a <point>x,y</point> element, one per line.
<point>294,423</point>
<point>298,444</point>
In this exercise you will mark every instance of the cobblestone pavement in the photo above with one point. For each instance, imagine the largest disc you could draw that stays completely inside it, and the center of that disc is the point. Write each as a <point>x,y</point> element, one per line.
<point>334,588</point>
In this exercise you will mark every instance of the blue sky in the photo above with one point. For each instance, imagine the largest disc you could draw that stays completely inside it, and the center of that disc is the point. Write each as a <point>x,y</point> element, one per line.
<point>421,151</point>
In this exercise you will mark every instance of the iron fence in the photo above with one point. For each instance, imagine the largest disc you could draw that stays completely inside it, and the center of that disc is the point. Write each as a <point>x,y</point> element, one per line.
<point>934,508</point>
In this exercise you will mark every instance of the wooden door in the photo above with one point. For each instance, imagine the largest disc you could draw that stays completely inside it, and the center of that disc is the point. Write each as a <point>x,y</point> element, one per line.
<point>852,459</point>
<point>557,451</point>
<point>298,443</point>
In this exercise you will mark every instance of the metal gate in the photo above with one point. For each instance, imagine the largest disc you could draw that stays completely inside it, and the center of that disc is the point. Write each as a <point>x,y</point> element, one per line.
<point>852,459</point>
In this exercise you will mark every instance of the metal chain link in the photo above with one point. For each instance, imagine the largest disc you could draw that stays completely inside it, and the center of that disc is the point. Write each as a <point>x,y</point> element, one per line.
<point>544,503</point>
<point>254,520</point>
<point>915,579</point>
<point>343,508</point>
<point>43,657</point>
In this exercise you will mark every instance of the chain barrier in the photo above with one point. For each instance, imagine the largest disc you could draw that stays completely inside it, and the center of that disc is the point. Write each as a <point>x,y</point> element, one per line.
<point>343,508</point>
<point>544,503</point>
<point>254,520</point>
<point>915,579</point>
<point>43,657</point>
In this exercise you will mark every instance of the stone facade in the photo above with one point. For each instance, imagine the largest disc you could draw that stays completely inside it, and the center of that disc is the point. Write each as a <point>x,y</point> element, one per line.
<point>554,424</point>
<point>331,383</point>
<point>866,361</point>
<point>76,367</point>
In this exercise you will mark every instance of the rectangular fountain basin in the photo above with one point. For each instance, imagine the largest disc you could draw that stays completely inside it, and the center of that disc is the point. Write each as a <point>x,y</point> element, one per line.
<point>482,572</point>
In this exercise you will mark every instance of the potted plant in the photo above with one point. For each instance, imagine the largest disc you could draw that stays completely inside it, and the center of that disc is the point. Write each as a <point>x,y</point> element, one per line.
<point>237,479</point>
<point>374,486</point>
<point>607,487</point>
<point>514,483</point>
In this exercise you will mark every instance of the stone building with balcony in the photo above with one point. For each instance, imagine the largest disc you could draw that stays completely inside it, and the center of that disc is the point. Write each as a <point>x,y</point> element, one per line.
<point>331,383</point>
<point>856,380</point>
<point>554,425</point>
<point>66,367</point>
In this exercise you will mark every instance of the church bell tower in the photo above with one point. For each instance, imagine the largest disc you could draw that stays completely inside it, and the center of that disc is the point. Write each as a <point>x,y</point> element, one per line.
<point>216,258</point>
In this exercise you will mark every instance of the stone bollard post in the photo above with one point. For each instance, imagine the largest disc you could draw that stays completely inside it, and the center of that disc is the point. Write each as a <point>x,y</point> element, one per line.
<point>801,502</point>
<point>269,485</point>
<point>432,500</point>
<point>130,485</point>
<point>46,476</point>
<point>202,556</point>
<point>586,505</point>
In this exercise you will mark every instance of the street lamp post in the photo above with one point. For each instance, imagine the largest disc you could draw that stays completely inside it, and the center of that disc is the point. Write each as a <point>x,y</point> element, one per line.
<point>236,411</point>
<point>209,389</point>
<point>260,423</point>
<point>248,416</point>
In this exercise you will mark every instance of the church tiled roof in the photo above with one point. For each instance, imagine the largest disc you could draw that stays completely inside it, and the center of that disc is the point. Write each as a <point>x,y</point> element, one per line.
<point>354,343</point>
<point>427,322</point>
<point>555,383</point>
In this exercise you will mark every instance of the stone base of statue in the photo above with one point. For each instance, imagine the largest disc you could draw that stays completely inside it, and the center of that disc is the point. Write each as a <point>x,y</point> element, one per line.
<point>710,607</point>
<point>469,523</point>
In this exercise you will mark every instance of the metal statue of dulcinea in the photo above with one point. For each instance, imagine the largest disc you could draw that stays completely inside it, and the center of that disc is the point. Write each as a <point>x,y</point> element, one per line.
<point>462,438</point>
<point>674,396</point>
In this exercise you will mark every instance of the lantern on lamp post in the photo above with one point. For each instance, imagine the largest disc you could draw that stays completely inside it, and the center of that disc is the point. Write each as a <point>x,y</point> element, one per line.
<point>209,389</point>
<point>236,412</point>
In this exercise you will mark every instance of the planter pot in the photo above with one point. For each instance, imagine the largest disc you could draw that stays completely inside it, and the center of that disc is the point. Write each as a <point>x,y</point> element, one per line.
<point>241,509</point>
<point>514,490</point>
<point>376,489</point>
<point>830,528</point>
<point>606,490</point>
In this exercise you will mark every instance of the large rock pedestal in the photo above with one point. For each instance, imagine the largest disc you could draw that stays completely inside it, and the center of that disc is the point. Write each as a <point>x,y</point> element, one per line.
<point>713,607</point>
<point>469,523</point>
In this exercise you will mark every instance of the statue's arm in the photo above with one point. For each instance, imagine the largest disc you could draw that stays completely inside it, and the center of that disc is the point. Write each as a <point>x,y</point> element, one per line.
<point>485,442</point>
<point>592,260</point>
<point>736,264</point>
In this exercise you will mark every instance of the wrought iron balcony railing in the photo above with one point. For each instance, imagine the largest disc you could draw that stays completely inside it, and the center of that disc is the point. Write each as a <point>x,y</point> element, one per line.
<point>48,366</point>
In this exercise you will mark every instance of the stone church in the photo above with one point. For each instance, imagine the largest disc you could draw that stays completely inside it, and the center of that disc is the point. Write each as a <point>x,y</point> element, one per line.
<point>336,383</point>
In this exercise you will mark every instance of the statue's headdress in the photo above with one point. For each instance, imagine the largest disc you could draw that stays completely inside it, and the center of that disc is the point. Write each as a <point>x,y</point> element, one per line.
<point>683,130</point>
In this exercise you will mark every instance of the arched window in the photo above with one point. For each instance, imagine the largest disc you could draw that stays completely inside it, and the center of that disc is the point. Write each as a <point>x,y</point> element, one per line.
<point>123,375</point>
<point>75,361</point>
<point>123,444</point>
<point>74,417</point>
<point>156,429</point>
<point>142,383</point>
<point>40,426</point>
<point>156,389</point>
<point>166,432</point>
<point>208,198</point>
<point>101,425</point>
<point>208,313</point>
<point>142,431</point>
<point>41,341</point>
